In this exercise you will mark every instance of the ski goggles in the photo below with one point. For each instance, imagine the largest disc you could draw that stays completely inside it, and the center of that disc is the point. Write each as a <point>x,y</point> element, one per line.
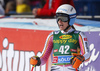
<point>62,17</point>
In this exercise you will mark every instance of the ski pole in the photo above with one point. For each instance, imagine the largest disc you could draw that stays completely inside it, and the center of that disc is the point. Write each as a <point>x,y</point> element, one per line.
<point>76,70</point>
<point>32,67</point>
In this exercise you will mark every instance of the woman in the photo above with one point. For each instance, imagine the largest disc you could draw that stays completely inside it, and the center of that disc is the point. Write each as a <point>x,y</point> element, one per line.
<point>69,46</point>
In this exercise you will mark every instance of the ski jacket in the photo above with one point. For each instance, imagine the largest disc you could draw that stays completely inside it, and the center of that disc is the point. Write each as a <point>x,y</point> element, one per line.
<point>62,45</point>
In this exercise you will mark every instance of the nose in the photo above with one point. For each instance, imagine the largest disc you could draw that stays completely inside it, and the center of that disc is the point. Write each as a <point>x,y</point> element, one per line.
<point>60,21</point>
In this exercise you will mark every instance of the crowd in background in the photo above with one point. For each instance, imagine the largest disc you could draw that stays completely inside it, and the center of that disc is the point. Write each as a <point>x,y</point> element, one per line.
<point>20,6</point>
<point>44,8</point>
<point>47,8</point>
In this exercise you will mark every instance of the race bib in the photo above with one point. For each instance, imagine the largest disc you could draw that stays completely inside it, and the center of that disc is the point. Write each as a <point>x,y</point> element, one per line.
<point>62,59</point>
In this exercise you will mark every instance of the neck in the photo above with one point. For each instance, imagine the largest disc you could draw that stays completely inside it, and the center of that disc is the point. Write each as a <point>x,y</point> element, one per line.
<point>67,29</point>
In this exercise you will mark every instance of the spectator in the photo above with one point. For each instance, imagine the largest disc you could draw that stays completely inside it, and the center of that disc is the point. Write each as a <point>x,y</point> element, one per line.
<point>1,9</point>
<point>35,4</point>
<point>10,7</point>
<point>50,7</point>
<point>43,2</point>
<point>22,7</point>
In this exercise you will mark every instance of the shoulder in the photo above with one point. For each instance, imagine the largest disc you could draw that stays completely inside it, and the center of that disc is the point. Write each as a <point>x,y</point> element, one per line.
<point>76,31</point>
<point>82,34</point>
<point>50,35</point>
<point>79,32</point>
<point>56,32</point>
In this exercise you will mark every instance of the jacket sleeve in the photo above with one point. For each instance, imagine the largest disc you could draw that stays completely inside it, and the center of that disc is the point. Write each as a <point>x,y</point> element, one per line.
<point>45,11</point>
<point>85,51</point>
<point>47,49</point>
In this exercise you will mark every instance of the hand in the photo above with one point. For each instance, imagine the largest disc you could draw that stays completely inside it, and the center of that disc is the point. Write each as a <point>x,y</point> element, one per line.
<point>35,61</point>
<point>77,60</point>
<point>34,11</point>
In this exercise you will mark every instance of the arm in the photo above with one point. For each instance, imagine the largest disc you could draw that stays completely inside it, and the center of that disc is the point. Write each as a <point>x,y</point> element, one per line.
<point>47,49</point>
<point>37,61</point>
<point>85,51</point>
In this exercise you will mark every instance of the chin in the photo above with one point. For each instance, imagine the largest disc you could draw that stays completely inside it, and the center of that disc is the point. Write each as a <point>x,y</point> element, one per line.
<point>61,29</point>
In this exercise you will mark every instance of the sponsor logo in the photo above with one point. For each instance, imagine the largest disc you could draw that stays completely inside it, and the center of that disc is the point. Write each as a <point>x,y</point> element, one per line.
<point>56,50</point>
<point>73,50</point>
<point>55,59</point>
<point>85,39</point>
<point>60,41</point>
<point>72,41</point>
<point>65,37</point>
<point>61,9</point>
<point>16,60</point>
<point>73,16</point>
<point>61,59</point>
<point>93,59</point>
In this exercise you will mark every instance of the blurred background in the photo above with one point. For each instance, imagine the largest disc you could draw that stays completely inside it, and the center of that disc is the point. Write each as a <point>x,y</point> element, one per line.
<point>86,9</point>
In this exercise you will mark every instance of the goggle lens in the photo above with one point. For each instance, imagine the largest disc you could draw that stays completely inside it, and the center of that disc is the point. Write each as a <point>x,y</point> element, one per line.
<point>63,19</point>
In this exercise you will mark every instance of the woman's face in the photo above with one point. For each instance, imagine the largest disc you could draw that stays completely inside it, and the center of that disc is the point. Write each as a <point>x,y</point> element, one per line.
<point>62,25</point>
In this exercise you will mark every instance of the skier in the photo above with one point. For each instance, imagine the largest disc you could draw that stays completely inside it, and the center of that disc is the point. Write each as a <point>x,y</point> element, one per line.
<point>68,47</point>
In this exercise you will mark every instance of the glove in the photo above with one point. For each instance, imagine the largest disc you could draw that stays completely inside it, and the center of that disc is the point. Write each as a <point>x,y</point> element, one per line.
<point>76,61</point>
<point>35,60</point>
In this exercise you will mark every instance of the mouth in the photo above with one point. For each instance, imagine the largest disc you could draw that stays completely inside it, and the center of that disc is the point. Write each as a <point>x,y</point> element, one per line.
<point>60,25</point>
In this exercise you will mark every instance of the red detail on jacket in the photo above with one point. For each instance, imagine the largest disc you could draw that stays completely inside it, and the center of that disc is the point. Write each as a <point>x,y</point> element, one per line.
<point>55,59</point>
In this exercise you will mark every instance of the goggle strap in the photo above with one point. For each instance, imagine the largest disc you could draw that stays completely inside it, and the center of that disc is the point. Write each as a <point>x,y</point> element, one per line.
<point>66,27</point>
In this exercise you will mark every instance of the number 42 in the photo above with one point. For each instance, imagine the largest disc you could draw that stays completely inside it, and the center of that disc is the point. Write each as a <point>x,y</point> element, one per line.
<point>61,49</point>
